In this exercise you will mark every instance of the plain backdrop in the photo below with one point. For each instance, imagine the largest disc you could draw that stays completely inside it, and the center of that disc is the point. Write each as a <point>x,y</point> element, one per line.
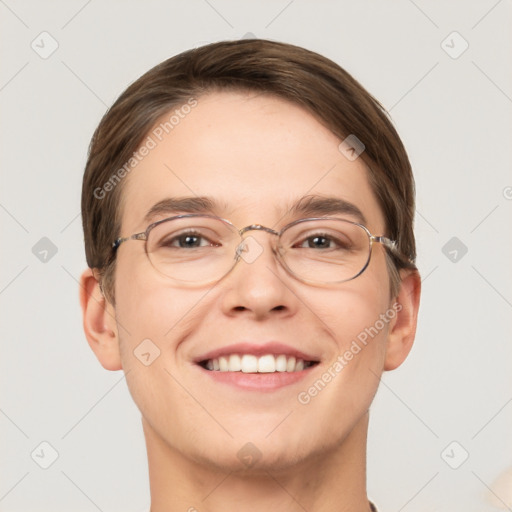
<point>440,430</point>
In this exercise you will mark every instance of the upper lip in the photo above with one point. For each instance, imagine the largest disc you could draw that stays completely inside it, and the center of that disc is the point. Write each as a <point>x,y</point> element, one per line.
<point>257,349</point>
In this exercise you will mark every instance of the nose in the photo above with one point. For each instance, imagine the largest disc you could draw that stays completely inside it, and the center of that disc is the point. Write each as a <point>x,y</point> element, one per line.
<point>258,285</point>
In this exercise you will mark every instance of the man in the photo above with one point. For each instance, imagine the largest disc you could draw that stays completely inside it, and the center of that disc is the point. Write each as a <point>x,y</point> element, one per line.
<point>248,211</point>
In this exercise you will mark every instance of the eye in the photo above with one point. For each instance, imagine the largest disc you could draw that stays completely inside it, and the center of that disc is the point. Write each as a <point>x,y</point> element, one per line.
<point>324,241</point>
<point>318,242</point>
<point>187,240</point>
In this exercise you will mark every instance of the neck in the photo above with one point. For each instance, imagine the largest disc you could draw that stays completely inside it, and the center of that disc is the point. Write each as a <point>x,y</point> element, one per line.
<point>331,480</point>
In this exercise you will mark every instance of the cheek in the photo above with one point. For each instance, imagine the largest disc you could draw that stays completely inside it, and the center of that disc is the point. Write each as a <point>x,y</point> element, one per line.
<point>152,319</point>
<point>357,319</point>
<point>147,308</point>
<point>357,306</point>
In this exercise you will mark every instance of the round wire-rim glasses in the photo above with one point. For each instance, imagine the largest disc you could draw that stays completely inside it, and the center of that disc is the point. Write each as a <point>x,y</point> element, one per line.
<point>202,265</point>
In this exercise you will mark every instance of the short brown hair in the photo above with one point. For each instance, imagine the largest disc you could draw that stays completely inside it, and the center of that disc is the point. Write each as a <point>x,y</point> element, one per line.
<point>295,74</point>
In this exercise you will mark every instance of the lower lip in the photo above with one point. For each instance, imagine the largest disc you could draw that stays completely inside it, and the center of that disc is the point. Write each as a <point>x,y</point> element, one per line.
<point>259,381</point>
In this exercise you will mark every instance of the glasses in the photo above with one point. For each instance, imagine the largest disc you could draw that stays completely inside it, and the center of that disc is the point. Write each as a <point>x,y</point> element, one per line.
<point>202,249</point>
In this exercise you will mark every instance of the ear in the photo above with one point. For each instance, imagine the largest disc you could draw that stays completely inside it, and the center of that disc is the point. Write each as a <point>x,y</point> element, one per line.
<point>99,322</point>
<point>403,330</point>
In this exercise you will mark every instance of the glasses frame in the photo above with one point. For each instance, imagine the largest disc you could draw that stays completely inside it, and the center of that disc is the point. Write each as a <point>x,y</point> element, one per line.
<point>389,244</point>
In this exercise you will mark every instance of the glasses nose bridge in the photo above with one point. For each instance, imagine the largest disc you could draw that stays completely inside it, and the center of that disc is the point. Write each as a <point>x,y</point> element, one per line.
<point>257,227</point>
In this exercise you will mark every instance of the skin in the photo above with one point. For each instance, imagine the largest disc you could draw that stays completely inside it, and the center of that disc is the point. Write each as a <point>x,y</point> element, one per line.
<point>255,153</point>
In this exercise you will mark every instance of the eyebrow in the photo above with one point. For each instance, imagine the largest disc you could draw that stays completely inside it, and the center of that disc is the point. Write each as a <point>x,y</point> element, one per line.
<point>307,206</point>
<point>176,205</point>
<point>313,206</point>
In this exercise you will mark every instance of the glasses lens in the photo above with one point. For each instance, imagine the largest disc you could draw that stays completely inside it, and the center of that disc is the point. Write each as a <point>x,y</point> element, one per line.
<point>325,251</point>
<point>201,249</point>
<point>193,249</point>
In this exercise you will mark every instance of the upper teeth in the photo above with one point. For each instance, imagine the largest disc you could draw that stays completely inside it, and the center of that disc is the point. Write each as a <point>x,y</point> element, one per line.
<point>253,364</point>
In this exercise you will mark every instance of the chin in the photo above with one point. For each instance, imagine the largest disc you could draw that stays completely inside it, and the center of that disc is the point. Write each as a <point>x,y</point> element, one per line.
<point>258,457</point>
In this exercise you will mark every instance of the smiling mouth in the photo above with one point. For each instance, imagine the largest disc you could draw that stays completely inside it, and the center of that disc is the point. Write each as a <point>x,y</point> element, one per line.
<point>248,363</point>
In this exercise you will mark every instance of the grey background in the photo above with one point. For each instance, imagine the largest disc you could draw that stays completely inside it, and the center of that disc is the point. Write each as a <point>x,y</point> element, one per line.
<point>454,116</point>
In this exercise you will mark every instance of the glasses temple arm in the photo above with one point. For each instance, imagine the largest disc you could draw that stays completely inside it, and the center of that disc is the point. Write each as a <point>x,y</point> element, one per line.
<point>392,245</point>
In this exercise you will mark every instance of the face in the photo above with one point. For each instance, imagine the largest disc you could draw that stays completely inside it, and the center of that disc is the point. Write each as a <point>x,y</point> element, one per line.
<point>255,156</point>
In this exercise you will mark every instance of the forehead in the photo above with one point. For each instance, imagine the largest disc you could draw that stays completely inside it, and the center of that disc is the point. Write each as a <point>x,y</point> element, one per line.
<point>253,154</point>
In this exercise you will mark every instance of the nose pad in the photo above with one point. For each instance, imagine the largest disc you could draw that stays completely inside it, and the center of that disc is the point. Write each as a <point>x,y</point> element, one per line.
<point>249,250</point>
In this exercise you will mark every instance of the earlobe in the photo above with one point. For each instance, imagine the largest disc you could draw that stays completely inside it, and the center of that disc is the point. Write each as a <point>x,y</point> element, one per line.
<point>99,322</point>
<point>402,333</point>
